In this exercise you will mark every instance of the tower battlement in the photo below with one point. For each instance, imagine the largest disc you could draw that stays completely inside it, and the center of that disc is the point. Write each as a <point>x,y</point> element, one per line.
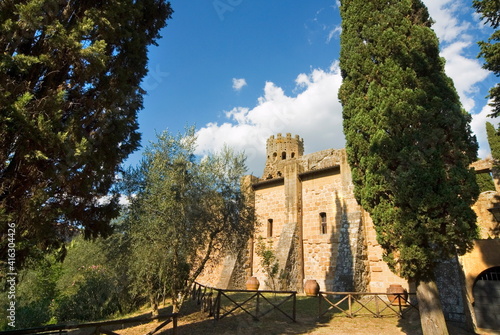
<point>281,148</point>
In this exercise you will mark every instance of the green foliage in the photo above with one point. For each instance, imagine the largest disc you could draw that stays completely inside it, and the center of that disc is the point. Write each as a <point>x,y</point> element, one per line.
<point>409,142</point>
<point>94,281</point>
<point>268,261</point>
<point>490,50</point>
<point>35,293</point>
<point>182,212</point>
<point>489,10</point>
<point>494,141</point>
<point>485,182</point>
<point>91,296</point>
<point>91,284</point>
<point>70,75</point>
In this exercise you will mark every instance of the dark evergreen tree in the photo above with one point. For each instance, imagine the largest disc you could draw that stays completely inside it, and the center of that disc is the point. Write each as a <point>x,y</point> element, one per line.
<point>70,74</point>
<point>490,50</point>
<point>485,182</point>
<point>493,140</point>
<point>409,143</point>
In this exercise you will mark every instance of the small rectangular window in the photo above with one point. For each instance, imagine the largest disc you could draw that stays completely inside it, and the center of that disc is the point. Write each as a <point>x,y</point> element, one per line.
<point>323,226</point>
<point>270,228</point>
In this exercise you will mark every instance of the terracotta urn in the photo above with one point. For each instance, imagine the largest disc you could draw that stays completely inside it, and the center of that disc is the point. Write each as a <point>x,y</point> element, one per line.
<point>395,299</point>
<point>252,284</point>
<point>311,288</point>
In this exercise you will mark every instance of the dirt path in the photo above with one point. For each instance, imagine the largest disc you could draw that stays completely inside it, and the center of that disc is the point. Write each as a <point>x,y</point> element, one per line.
<point>197,324</point>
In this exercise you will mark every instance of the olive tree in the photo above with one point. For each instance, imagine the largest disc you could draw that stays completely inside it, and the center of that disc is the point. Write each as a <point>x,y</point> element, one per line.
<point>183,211</point>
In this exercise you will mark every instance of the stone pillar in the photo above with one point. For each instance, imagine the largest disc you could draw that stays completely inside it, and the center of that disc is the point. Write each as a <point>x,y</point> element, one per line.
<point>351,273</point>
<point>290,246</point>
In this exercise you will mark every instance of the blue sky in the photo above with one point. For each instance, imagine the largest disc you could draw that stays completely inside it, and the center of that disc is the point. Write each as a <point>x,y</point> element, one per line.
<point>243,70</point>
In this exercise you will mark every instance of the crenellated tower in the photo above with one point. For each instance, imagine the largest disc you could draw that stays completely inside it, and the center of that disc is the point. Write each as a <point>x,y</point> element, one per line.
<point>280,150</point>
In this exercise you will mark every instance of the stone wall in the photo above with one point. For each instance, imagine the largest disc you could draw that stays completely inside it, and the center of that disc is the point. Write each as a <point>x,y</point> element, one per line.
<point>322,159</point>
<point>294,191</point>
<point>449,281</point>
<point>320,195</point>
<point>488,226</point>
<point>296,188</point>
<point>269,204</point>
<point>380,274</point>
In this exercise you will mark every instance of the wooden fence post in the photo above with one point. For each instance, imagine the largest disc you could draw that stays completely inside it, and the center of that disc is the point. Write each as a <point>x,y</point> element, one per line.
<point>350,305</point>
<point>399,304</point>
<point>320,297</point>
<point>217,308</point>
<point>257,306</point>
<point>174,325</point>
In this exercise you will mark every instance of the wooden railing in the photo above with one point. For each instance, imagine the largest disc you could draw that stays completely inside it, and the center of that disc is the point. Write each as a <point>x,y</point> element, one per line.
<point>353,304</point>
<point>219,303</point>
<point>60,329</point>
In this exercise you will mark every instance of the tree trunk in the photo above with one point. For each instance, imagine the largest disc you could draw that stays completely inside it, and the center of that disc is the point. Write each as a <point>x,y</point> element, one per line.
<point>154,305</point>
<point>176,306</point>
<point>430,308</point>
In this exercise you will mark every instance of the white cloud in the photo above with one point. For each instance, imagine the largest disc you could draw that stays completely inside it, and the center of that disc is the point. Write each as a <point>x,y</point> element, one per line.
<point>334,32</point>
<point>478,126</point>
<point>448,25</point>
<point>315,114</point>
<point>455,26</point>
<point>323,23</point>
<point>465,72</point>
<point>238,84</point>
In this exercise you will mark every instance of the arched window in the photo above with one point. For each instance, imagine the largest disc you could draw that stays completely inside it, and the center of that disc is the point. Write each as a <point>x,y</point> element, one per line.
<point>269,227</point>
<point>486,304</point>
<point>492,274</point>
<point>322,223</point>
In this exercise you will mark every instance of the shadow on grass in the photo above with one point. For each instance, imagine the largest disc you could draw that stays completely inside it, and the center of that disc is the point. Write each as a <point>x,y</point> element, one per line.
<point>410,324</point>
<point>332,322</point>
<point>136,324</point>
<point>193,321</point>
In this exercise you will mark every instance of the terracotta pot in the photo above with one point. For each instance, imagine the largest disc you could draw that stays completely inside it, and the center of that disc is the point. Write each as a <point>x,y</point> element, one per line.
<point>311,288</point>
<point>394,299</point>
<point>252,284</point>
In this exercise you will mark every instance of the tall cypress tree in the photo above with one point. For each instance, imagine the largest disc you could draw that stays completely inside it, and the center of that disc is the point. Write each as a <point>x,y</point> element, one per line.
<point>493,140</point>
<point>409,143</point>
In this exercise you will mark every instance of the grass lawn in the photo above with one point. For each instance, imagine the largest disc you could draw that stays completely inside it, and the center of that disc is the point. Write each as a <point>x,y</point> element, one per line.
<point>195,321</point>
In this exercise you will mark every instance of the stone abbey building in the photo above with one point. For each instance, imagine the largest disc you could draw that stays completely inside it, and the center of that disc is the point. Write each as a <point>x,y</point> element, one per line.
<point>307,213</point>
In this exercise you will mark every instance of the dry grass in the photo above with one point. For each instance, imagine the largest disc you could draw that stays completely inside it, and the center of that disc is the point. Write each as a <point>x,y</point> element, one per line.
<point>193,321</point>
